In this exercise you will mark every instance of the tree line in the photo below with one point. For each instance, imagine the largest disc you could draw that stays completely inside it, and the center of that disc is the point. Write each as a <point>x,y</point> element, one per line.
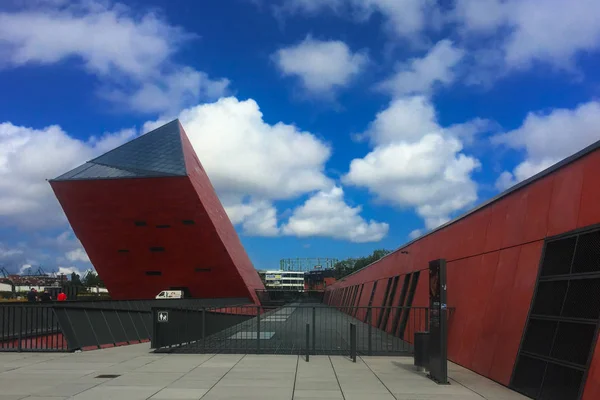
<point>91,279</point>
<point>350,265</point>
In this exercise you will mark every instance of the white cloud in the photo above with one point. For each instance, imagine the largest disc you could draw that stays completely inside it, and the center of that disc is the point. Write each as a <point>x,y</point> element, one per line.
<point>26,199</point>
<point>415,162</point>
<point>24,269</point>
<point>322,66</point>
<point>555,31</point>
<point>9,253</point>
<point>252,164</point>
<point>415,233</point>
<point>326,214</point>
<point>69,270</point>
<point>245,156</point>
<point>78,254</point>
<point>132,55</point>
<point>547,138</point>
<point>404,18</point>
<point>421,75</point>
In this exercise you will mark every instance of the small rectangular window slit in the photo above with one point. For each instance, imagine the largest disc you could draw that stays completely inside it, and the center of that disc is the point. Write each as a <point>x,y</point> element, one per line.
<point>153,273</point>
<point>157,249</point>
<point>163,226</point>
<point>123,251</point>
<point>202,269</point>
<point>140,223</point>
<point>188,222</point>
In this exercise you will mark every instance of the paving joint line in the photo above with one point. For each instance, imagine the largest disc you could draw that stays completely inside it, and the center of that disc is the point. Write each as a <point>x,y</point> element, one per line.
<point>224,375</point>
<point>295,377</point>
<point>378,378</point>
<point>468,388</point>
<point>179,377</point>
<point>336,378</point>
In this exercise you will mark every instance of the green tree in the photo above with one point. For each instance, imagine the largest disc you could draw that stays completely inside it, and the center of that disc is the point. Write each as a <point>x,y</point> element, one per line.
<point>75,279</point>
<point>91,279</point>
<point>350,265</point>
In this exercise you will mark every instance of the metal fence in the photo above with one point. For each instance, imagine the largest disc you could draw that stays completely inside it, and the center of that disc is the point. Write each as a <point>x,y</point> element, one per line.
<point>297,328</point>
<point>68,326</point>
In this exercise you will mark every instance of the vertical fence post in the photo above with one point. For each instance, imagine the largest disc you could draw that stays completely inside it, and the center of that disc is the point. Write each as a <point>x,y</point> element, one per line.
<point>370,328</point>
<point>353,342</point>
<point>204,328</point>
<point>21,329</point>
<point>257,329</point>
<point>314,330</point>
<point>307,340</point>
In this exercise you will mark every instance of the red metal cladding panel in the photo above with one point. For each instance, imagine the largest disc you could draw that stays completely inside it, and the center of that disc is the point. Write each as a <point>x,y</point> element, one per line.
<point>485,273</point>
<point>566,196</point>
<point>538,207</point>
<point>515,314</point>
<point>495,230</point>
<point>589,212</point>
<point>516,212</point>
<point>476,232</point>
<point>102,214</point>
<point>470,306</point>
<point>491,322</point>
<point>223,225</point>
<point>457,284</point>
<point>592,384</point>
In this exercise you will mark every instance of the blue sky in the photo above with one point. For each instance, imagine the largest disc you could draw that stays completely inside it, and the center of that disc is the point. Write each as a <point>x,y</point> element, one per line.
<point>329,127</point>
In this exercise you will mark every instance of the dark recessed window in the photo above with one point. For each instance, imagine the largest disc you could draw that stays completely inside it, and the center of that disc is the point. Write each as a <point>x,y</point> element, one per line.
<point>188,222</point>
<point>140,223</point>
<point>202,269</point>
<point>153,273</point>
<point>163,226</point>
<point>123,251</point>
<point>156,249</point>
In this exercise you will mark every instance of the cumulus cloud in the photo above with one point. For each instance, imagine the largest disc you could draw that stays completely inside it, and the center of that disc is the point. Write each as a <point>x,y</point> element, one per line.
<point>415,233</point>
<point>415,163</point>
<point>327,214</point>
<point>78,254</point>
<point>69,270</point>
<point>421,75</point>
<point>131,54</point>
<point>252,164</point>
<point>26,199</point>
<point>404,18</point>
<point>554,33</point>
<point>547,138</point>
<point>322,66</point>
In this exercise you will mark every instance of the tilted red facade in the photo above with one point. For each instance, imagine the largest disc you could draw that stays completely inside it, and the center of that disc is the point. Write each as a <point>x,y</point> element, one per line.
<point>493,256</point>
<point>151,230</point>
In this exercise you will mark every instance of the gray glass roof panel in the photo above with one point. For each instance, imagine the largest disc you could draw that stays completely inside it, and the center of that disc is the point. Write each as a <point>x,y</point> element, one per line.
<point>157,153</point>
<point>159,150</point>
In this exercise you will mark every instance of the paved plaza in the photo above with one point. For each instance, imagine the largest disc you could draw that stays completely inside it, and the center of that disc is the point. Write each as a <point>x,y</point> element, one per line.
<point>144,375</point>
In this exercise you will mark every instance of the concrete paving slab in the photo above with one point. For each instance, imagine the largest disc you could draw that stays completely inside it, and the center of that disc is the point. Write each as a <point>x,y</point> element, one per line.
<point>324,394</point>
<point>230,376</point>
<point>118,393</point>
<point>170,393</point>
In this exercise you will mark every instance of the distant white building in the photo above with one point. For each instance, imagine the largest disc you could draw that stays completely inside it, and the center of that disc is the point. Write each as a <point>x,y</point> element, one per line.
<point>284,280</point>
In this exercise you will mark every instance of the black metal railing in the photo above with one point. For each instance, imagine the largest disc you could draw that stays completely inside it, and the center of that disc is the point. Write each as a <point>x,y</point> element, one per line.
<point>65,328</point>
<point>282,330</point>
<point>73,325</point>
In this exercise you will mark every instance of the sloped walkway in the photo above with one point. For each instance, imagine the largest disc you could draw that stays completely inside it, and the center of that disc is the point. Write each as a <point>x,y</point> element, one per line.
<point>284,331</point>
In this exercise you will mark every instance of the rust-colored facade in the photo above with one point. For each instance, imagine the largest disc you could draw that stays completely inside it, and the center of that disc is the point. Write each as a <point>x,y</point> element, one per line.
<point>494,254</point>
<point>150,220</point>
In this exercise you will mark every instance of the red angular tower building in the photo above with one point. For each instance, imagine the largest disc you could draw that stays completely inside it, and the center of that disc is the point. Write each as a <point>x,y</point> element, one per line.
<point>150,220</point>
